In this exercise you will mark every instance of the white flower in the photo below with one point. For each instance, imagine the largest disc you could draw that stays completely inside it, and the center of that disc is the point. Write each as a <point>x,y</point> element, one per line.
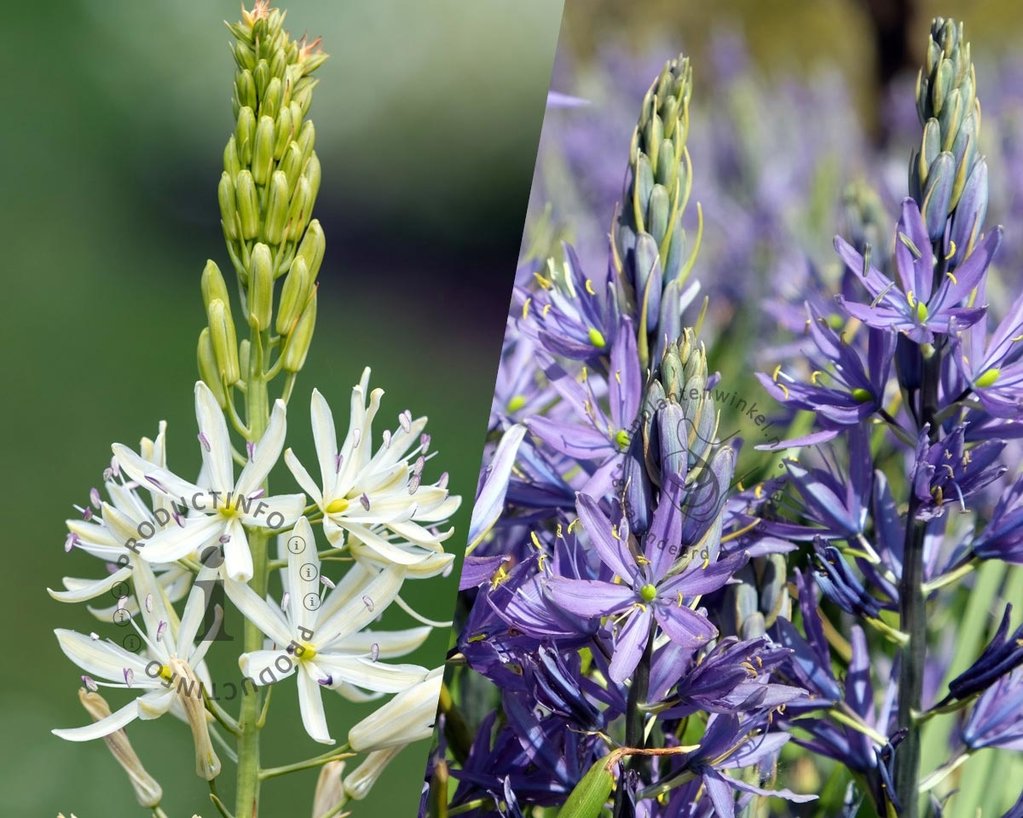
<point>108,530</point>
<point>170,675</point>
<point>406,718</point>
<point>379,499</point>
<point>319,637</point>
<point>220,507</point>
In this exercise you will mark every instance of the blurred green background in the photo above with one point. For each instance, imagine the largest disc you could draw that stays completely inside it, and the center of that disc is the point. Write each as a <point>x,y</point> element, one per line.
<point>427,119</point>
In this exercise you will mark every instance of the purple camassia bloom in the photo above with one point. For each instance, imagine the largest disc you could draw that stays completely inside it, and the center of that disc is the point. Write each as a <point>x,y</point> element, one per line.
<point>1002,655</point>
<point>992,367</point>
<point>844,389</point>
<point>570,314</point>
<point>1002,538</point>
<point>947,472</point>
<point>918,309</point>
<point>733,742</point>
<point>733,676</point>
<point>996,720</point>
<point>589,436</point>
<point>640,589</point>
<point>519,392</point>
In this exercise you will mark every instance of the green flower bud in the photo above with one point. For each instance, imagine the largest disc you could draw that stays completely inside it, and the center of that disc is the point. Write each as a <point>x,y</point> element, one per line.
<point>312,174</point>
<point>298,211</point>
<point>232,164</point>
<point>244,90</point>
<point>297,345</point>
<point>248,204</point>
<point>306,140</point>
<point>303,93</point>
<point>228,211</point>
<point>261,74</point>
<point>284,131</point>
<point>209,371</point>
<point>261,287</point>
<point>224,339</point>
<point>271,100</point>
<point>294,295</point>
<point>213,285</point>
<point>292,164</point>
<point>312,248</point>
<point>244,348</point>
<point>244,134</point>
<point>263,150</point>
<point>276,208</point>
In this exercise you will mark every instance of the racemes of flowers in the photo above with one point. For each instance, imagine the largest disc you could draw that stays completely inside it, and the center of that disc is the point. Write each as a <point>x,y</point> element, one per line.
<point>183,549</point>
<point>903,492</point>
<point>605,659</point>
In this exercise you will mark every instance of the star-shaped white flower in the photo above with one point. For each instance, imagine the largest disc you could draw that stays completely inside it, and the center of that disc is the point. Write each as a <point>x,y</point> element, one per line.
<point>170,675</point>
<point>376,502</point>
<point>219,508</point>
<point>318,639</point>
<point>106,530</point>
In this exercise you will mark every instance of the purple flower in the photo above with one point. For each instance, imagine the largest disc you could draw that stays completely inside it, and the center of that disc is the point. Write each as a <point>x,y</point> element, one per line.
<point>1003,654</point>
<point>1002,538</point>
<point>643,588</point>
<point>996,720</point>
<point>921,307</point>
<point>848,383</point>
<point>947,471</point>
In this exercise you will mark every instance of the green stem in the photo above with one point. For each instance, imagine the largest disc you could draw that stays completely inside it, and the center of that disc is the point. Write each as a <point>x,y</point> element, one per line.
<point>335,754</point>
<point>257,406</point>
<point>634,714</point>
<point>913,617</point>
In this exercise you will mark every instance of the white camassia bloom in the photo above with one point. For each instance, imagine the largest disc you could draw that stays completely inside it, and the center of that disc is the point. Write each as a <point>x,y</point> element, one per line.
<point>406,718</point>
<point>109,534</point>
<point>169,676</point>
<point>319,638</point>
<point>219,506</point>
<point>377,501</point>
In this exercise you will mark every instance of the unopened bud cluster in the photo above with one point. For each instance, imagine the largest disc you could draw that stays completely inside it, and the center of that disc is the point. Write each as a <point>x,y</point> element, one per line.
<point>947,175</point>
<point>267,190</point>
<point>651,251</point>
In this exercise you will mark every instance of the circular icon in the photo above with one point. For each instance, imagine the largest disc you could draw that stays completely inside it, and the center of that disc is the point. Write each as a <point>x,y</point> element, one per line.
<point>132,643</point>
<point>311,601</point>
<point>122,617</point>
<point>119,591</point>
<point>308,572</point>
<point>296,544</point>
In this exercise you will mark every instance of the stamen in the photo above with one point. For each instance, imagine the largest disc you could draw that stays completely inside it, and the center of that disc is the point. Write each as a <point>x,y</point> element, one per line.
<point>95,499</point>
<point>129,676</point>
<point>405,419</point>
<point>205,441</point>
<point>89,683</point>
<point>364,500</point>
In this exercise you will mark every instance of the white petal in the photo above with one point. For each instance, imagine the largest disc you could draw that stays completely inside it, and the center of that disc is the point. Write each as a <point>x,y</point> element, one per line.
<point>266,452</point>
<point>387,644</point>
<point>303,478</point>
<point>325,439</point>
<point>266,667</point>
<point>101,658</point>
<point>311,705</point>
<point>370,675</point>
<point>81,590</point>
<point>103,727</point>
<point>408,717</point>
<point>177,541</point>
<point>302,579</point>
<point>139,470</point>
<point>237,556</point>
<point>215,442</point>
<point>265,617</point>
<point>277,513</point>
<point>360,611</point>
<point>195,611</point>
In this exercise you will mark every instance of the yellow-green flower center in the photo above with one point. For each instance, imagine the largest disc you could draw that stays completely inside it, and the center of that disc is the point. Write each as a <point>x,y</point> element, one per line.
<point>988,378</point>
<point>921,311</point>
<point>622,439</point>
<point>596,338</point>
<point>516,403</point>
<point>861,395</point>
<point>337,506</point>
<point>648,593</point>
